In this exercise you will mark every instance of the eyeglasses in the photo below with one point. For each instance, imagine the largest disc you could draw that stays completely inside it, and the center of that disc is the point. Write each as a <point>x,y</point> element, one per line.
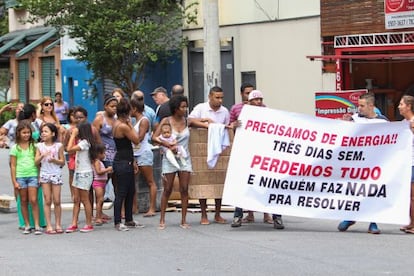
<point>48,104</point>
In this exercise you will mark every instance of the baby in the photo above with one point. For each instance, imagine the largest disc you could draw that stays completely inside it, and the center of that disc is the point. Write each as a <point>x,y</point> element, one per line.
<point>168,136</point>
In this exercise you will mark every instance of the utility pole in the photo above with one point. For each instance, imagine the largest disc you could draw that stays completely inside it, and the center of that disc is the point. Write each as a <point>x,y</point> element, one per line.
<point>211,56</point>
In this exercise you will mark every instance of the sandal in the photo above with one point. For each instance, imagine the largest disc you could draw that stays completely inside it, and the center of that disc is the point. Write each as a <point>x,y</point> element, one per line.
<point>409,231</point>
<point>50,232</point>
<point>268,220</point>
<point>185,226</point>
<point>248,219</point>
<point>59,231</point>
<point>161,226</point>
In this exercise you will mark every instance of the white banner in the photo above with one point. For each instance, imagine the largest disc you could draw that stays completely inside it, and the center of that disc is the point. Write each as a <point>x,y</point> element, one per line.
<point>300,165</point>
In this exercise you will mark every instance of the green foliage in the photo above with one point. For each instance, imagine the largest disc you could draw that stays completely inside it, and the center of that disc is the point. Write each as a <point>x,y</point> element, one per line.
<point>117,39</point>
<point>6,115</point>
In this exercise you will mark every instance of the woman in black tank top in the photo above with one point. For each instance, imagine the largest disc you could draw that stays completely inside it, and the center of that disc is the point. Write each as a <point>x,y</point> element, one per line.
<point>124,167</point>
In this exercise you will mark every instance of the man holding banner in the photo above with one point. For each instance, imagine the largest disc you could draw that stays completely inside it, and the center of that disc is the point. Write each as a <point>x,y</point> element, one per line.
<point>366,114</point>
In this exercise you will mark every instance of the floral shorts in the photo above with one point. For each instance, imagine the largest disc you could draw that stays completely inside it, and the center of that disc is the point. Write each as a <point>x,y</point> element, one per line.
<point>51,179</point>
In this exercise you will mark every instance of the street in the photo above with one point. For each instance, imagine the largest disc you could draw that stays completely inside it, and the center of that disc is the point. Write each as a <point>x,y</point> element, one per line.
<point>304,247</point>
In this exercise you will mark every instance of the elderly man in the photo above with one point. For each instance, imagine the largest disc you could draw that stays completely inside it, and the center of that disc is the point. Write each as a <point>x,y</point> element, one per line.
<point>202,115</point>
<point>148,111</point>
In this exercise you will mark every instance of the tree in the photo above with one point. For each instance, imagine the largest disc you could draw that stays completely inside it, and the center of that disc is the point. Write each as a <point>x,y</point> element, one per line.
<point>117,39</point>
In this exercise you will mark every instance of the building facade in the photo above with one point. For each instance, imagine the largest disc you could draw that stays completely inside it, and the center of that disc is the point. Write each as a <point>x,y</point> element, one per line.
<point>369,44</point>
<point>264,42</point>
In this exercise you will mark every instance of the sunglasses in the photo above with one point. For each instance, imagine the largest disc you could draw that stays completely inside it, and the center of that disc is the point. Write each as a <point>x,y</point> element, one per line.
<point>48,104</point>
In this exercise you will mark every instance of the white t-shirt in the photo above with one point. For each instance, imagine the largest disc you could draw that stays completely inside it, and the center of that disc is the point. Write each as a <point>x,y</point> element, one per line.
<point>47,167</point>
<point>83,162</point>
<point>203,110</point>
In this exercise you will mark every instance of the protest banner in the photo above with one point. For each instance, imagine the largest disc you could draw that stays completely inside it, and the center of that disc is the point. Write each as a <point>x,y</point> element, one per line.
<point>300,165</point>
<point>334,104</point>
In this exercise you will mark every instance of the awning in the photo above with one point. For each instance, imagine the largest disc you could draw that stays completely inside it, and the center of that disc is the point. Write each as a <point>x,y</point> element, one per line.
<point>363,57</point>
<point>25,40</point>
<point>36,43</point>
<point>11,43</point>
<point>51,45</point>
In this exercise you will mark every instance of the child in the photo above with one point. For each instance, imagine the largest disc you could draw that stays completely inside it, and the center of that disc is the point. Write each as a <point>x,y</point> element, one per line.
<point>50,157</point>
<point>24,174</point>
<point>70,158</point>
<point>100,177</point>
<point>83,177</point>
<point>168,136</point>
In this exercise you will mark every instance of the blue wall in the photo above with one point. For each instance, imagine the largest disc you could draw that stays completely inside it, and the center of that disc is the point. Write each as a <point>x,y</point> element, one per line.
<point>76,73</point>
<point>164,74</point>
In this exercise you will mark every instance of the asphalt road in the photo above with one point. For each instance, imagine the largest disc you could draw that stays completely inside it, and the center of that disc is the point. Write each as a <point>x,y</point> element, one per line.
<point>304,247</point>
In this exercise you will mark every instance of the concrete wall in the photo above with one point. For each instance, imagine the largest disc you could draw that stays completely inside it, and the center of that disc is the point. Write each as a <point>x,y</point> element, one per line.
<point>250,11</point>
<point>277,52</point>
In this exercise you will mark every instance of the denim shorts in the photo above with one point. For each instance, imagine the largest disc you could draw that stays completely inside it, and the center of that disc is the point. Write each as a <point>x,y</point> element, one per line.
<point>145,159</point>
<point>83,180</point>
<point>25,182</point>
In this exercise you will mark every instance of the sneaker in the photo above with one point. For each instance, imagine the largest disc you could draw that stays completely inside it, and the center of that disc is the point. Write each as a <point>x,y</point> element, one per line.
<point>134,224</point>
<point>278,223</point>
<point>26,231</point>
<point>38,231</point>
<point>343,226</point>
<point>86,229</point>
<point>121,227</point>
<point>237,222</point>
<point>71,229</point>
<point>373,228</point>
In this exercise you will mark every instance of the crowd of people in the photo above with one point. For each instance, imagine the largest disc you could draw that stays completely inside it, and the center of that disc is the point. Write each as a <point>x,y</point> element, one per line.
<point>117,145</point>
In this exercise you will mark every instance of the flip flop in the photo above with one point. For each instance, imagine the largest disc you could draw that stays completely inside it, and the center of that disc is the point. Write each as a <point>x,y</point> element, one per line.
<point>161,226</point>
<point>204,222</point>
<point>59,231</point>
<point>409,230</point>
<point>50,232</point>
<point>220,221</point>
<point>185,226</point>
<point>149,215</point>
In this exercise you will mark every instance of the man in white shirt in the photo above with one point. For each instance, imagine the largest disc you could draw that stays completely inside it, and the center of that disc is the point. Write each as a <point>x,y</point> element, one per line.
<point>202,115</point>
<point>366,114</point>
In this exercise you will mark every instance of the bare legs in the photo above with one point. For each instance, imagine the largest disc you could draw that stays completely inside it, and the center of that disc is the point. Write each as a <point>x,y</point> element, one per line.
<point>217,217</point>
<point>147,172</point>
<point>184,178</point>
<point>52,193</point>
<point>29,195</point>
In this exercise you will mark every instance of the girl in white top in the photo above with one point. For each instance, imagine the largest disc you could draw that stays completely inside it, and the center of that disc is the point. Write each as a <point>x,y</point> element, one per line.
<point>50,157</point>
<point>83,176</point>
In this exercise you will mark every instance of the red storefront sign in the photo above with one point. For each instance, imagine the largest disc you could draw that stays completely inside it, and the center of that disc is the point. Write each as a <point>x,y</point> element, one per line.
<point>337,103</point>
<point>399,14</point>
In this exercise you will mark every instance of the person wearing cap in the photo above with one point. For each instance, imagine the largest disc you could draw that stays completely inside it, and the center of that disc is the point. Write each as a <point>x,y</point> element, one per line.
<point>255,98</point>
<point>201,116</point>
<point>160,97</point>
